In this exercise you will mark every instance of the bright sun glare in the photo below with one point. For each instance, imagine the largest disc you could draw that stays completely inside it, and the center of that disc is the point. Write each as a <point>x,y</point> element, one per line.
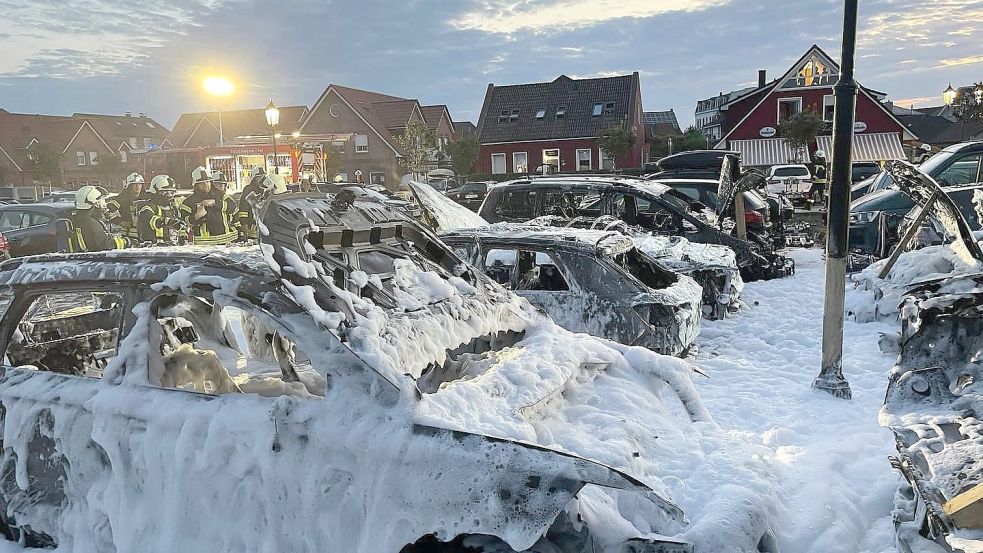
<point>218,86</point>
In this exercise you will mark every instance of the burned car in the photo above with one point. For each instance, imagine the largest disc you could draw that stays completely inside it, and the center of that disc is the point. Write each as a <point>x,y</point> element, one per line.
<point>646,205</point>
<point>589,281</point>
<point>348,384</point>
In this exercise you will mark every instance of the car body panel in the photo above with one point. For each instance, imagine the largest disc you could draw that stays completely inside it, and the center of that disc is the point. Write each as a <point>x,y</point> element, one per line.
<point>30,228</point>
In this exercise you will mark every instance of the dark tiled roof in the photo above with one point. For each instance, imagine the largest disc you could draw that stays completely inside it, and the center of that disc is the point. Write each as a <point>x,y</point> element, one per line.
<point>432,115</point>
<point>578,96</point>
<point>18,130</point>
<point>653,118</point>
<point>393,114</point>
<point>117,128</point>
<point>243,122</point>
<point>938,130</point>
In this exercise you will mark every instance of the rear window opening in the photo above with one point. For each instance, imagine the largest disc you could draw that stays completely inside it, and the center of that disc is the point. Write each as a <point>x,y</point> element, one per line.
<point>646,271</point>
<point>466,361</point>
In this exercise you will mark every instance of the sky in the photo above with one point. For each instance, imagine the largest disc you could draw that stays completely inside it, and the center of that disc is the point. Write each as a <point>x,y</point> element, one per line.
<point>113,56</point>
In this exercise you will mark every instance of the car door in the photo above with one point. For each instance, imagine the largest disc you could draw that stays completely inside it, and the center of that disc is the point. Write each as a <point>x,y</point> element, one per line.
<point>29,231</point>
<point>57,342</point>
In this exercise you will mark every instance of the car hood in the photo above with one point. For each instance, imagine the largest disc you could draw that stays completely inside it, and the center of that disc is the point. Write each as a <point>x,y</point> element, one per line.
<point>442,213</point>
<point>874,201</point>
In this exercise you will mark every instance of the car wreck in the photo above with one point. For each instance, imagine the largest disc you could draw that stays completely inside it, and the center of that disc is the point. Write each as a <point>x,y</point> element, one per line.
<point>649,206</point>
<point>351,371</point>
<point>713,267</point>
<point>589,281</point>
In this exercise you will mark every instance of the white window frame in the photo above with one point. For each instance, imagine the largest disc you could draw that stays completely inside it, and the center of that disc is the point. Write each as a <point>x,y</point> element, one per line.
<point>541,114</point>
<point>778,112</point>
<point>505,168</point>
<point>597,110</point>
<point>93,158</point>
<point>828,100</point>
<point>602,156</point>
<point>558,159</point>
<point>122,156</point>
<point>590,159</point>
<point>515,163</point>
<point>364,147</point>
<point>381,181</point>
<point>81,158</point>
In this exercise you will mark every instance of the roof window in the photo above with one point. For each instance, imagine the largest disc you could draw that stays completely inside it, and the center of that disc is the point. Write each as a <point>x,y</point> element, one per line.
<point>514,116</point>
<point>503,116</point>
<point>598,109</point>
<point>561,112</point>
<point>540,113</point>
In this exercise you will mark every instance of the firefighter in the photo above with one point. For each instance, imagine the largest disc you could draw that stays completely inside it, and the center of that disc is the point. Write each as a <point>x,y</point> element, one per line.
<point>154,212</point>
<point>819,178</point>
<point>925,152</point>
<point>91,231</point>
<point>122,210</point>
<point>250,194</point>
<point>207,216</point>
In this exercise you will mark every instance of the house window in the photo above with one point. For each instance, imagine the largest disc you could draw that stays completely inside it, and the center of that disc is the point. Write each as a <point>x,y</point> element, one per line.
<point>146,142</point>
<point>498,164</point>
<point>551,159</point>
<point>609,108</point>
<point>122,156</point>
<point>504,116</point>
<point>132,141</point>
<point>828,107</point>
<point>540,113</point>
<point>151,125</point>
<point>598,109</point>
<point>93,158</point>
<point>520,162</point>
<point>80,158</point>
<point>583,160</point>
<point>607,162</point>
<point>377,178</point>
<point>787,107</point>
<point>361,143</point>
<point>561,112</point>
<point>514,115</point>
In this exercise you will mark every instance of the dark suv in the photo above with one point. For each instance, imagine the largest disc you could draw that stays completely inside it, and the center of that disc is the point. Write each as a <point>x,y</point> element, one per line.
<point>470,195</point>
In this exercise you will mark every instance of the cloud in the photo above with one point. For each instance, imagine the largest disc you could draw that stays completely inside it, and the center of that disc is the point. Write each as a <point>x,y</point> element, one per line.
<point>509,16</point>
<point>961,61</point>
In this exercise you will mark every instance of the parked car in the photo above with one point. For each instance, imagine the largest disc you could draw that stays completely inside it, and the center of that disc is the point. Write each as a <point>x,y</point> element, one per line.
<point>589,281</point>
<point>795,181</point>
<point>470,194</point>
<point>956,165</point>
<point>31,228</point>
<point>649,206</point>
<point>757,212</point>
<point>352,371</point>
<point>377,191</point>
<point>695,164</point>
<point>880,181</point>
<point>863,170</point>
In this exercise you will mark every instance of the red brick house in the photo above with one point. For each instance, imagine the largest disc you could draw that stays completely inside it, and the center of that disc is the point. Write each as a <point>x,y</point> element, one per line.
<point>751,119</point>
<point>525,127</point>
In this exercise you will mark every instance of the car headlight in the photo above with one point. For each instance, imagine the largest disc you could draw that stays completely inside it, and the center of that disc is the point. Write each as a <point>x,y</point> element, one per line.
<point>863,216</point>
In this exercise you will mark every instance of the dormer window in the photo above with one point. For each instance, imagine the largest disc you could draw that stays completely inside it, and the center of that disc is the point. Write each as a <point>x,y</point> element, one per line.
<point>598,109</point>
<point>540,113</point>
<point>561,112</point>
<point>514,116</point>
<point>503,116</point>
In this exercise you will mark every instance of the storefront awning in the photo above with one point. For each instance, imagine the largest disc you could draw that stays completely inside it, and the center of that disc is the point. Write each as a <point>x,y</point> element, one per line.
<point>767,151</point>
<point>878,146</point>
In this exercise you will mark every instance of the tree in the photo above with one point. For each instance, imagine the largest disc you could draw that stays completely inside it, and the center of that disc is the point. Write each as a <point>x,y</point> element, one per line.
<point>616,140</point>
<point>800,130</point>
<point>463,154</point>
<point>418,145</point>
<point>47,161</point>
<point>333,160</point>
<point>965,107</point>
<point>108,168</point>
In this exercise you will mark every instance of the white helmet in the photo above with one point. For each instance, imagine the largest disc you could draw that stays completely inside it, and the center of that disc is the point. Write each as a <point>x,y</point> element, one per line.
<point>161,183</point>
<point>201,175</point>
<point>820,153</point>
<point>926,147</point>
<point>90,196</point>
<point>273,184</point>
<point>256,171</point>
<point>134,178</point>
<point>218,176</point>
<point>338,178</point>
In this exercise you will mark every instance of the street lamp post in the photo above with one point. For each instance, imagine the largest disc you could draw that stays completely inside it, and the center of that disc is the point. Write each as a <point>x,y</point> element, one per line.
<point>273,119</point>
<point>831,377</point>
<point>220,87</point>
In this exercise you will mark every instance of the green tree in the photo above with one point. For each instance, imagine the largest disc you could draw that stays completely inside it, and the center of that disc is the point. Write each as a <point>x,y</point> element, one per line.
<point>800,130</point>
<point>109,168</point>
<point>417,145</point>
<point>463,154</point>
<point>965,106</point>
<point>47,161</point>
<point>616,140</point>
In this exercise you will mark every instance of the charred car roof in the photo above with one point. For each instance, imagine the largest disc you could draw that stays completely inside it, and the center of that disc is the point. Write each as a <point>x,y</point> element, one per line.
<point>598,242</point>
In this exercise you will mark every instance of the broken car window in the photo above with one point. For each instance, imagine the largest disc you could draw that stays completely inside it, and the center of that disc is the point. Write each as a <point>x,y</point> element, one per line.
<point>571,204</point>
<point>518,205</point>
<point>538,271</point>
<point>211,349</point>
<point>499,265</point>
<point>72,333</point>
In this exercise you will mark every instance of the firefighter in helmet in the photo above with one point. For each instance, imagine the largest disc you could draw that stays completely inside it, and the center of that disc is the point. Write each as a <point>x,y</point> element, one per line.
<point>90,230</point>
<point>820,180</point>
<point>153,212</point>
<point>207,216</point>
<point>250,194</point>
<point>924,152</point>
<point>122,210</point>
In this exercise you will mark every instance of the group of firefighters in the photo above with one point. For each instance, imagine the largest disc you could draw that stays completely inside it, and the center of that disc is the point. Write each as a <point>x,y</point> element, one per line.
<point>150,214</point>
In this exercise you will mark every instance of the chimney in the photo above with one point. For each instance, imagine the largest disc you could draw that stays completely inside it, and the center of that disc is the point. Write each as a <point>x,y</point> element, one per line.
<point>762,78</point>
<point>128,114</point>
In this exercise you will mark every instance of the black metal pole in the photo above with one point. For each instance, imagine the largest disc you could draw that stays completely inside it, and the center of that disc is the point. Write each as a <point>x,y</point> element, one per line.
<point>831,377</point>
<point>276,170</point>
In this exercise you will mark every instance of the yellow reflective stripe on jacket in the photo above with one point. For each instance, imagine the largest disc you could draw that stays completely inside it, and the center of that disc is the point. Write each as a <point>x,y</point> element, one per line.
<point>79,241</point>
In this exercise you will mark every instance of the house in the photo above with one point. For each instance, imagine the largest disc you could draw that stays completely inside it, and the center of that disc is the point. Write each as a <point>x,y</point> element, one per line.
<point>939,125</point>
<point>207,129</point>
<point>710,120</point>
<point>132,136</point>
<point>526,128</point>
<point>73,143</point>
<point>661,123</point>
<point>750,120</point>
<point>374,121</point>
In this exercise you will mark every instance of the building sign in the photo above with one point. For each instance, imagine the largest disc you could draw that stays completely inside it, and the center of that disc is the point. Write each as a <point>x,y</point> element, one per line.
<point>767,132</point>
<point>859,126</point>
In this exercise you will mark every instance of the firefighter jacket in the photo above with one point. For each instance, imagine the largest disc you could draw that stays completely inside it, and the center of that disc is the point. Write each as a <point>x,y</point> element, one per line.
<point>91,233</point>
<point>152,218</point>
<point>217,225</point>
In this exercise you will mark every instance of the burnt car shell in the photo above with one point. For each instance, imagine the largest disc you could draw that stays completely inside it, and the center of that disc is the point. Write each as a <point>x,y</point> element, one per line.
<point>589,281</point>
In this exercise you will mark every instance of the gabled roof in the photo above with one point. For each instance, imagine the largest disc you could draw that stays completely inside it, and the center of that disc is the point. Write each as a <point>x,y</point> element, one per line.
<point>113,127</point>
<point>768,89</point>
<point>19,130</point>
<point>395,114</point>
<point>243,122</point>
<point>577,96</point>
<point>432,115</point>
